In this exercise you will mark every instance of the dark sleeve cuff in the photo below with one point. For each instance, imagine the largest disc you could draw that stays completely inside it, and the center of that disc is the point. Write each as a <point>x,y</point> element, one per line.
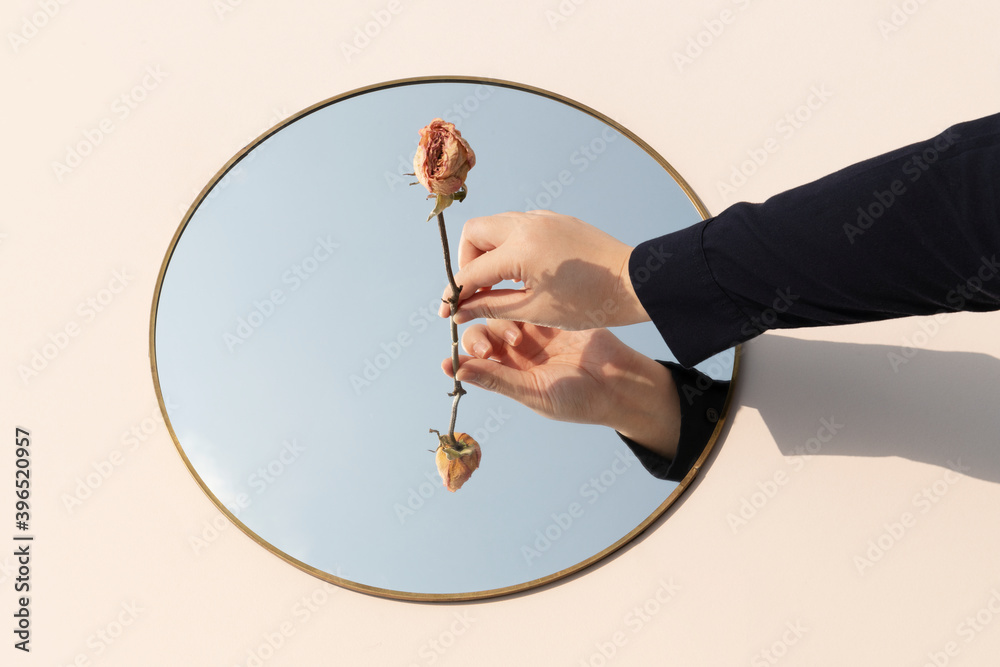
<point>693,314</point>
<point>702,403</point>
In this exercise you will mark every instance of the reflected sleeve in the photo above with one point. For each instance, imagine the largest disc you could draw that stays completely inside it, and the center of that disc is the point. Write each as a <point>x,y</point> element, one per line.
<point>915,231</point>
<point>703,401</point>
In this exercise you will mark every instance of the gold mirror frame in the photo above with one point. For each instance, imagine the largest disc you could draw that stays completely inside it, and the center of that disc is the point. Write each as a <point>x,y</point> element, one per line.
<point>389,593</point>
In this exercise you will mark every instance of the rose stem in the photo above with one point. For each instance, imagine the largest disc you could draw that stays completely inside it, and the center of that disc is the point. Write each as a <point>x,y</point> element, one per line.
<point>453,302</point>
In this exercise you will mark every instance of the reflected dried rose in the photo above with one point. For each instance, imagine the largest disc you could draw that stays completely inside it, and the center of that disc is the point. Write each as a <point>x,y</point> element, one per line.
<point>457,462</point>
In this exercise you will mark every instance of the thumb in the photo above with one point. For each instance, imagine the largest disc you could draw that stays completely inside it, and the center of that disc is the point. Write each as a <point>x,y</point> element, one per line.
<point>485,271</point>
<point>494,304</point>
<point>497,378</point>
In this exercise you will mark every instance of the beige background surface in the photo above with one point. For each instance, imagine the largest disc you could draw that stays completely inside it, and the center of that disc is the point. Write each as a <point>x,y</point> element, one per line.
<point>788,582</point>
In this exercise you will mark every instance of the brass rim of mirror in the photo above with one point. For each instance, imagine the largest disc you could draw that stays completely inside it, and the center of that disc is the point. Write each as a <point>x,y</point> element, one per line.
<point>383,592</point>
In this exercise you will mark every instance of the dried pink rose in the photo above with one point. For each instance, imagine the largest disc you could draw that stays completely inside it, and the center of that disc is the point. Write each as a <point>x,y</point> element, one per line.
<point>443,158</point>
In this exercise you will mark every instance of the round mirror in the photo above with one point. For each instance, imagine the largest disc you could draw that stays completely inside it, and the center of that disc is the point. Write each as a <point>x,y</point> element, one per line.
<point>296,348</point>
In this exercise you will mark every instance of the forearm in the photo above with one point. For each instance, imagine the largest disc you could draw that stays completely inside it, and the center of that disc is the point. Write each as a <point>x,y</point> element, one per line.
<point>646,407</point>
<point>694,404</point>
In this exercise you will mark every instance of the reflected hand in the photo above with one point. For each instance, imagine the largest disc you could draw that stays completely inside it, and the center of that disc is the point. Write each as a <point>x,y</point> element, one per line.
<point>587,377</point>
<point>575,276</point>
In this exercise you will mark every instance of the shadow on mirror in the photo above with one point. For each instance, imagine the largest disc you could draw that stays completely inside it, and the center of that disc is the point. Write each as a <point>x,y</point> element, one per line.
<point>297,348</point>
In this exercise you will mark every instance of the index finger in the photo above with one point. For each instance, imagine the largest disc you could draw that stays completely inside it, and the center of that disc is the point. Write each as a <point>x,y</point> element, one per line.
<point>480,235</point>
<point>481,275</point>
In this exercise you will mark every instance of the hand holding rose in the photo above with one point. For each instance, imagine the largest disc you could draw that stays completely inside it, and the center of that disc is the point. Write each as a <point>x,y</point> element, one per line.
<point>575,276</point>
<point>587,377</point>
<point>557,359</point>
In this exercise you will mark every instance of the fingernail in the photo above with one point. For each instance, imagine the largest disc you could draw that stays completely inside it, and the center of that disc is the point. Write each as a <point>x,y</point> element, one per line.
<point>481,350</point>
<point>470,377</point>
<point>511,336</point>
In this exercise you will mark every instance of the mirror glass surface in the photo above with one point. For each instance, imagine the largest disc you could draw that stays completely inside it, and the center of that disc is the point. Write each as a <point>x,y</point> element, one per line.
<point>297,349</point>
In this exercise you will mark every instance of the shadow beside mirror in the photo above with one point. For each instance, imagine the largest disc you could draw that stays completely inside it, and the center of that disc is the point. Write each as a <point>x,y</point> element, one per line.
<point>932,407</point>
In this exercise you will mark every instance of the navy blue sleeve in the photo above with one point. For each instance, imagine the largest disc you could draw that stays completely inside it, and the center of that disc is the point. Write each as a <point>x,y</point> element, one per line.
<point>703,403</point>
<point>912,232</point>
